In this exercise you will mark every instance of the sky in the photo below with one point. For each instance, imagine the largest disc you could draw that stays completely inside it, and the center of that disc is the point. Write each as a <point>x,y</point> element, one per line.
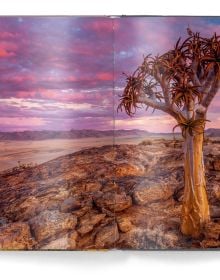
<point>62,73</point>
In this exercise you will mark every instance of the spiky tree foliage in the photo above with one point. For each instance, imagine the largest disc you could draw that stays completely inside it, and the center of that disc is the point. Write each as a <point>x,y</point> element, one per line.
<point>182,83</point>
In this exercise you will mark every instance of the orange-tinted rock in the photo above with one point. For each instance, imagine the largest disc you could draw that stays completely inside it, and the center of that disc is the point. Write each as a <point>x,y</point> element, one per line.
<point>113,201</point>
<point>216,163</point>
<point>215,193</point>
<point>146,238</point>
<point>107,236</point>
<point>28,206</point>
<point>148,192</point>
<point>92,186</point>
<point>111,186</point>
<point>214,211</point>
<point>124,224</point>
<point>88,222</point>
<point>210,243</point>
<point>86,241</point>
<point>95,185</point>
<point>110,156</point>
<point>66,242</point>
<point>50,223</point>
<point>127,169</point>
<point>61,243</point>
<point>72,240</point>
<point>212,231</point>
<point>16,236</point>
<point>82,211</point>
<point>70,204</point>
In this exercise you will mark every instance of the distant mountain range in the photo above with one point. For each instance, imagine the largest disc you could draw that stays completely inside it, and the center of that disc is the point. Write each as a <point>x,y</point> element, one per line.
<point>72,134</point>
<point>213,132</point>
<point>84,133</point>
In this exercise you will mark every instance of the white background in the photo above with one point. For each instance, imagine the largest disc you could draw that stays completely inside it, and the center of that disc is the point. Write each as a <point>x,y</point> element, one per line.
<point>135,265</point>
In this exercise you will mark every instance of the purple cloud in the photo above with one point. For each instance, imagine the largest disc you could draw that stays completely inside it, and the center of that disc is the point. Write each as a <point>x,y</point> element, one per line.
<point>59,72</point>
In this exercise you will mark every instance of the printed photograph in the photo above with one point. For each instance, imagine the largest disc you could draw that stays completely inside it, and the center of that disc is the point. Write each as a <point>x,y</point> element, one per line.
<point>109,133</point>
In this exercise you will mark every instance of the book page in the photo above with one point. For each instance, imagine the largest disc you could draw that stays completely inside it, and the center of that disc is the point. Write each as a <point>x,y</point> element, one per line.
<point>109,133</point>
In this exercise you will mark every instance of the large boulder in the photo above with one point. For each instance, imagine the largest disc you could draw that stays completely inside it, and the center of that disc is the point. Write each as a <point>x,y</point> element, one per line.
<point>210,243</point>
<point>215,211</point>
<point>112,201</point>
<point>88,221</point>
<point>66,242</point>
<point>16,236</point>
<point>150,238</point>
<point>50,223</point>
<point>212,231</point>
<point>57,244</point>
<point>215,193</point>
<point>107,236</point>
<point>27,207</point>
<point>148,192</point>
<point>216,163</point>
<point>212,161</point>
<point>124,224</point>
<point>128,169</point>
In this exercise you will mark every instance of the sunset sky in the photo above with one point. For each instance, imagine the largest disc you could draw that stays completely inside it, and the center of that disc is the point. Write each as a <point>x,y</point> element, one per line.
<point>58,73</point>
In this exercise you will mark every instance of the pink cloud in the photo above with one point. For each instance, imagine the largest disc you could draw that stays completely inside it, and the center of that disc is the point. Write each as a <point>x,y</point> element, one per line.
<point>22,78</point>
<point>23,122</point>
<point>70,60</point>
<point>105,76</point>
<point>100,25</point>
<point>7,35</point>
<point>5,53</point>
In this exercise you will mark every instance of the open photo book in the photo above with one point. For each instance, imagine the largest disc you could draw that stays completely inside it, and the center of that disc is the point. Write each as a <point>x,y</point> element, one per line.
<point>109,132</point>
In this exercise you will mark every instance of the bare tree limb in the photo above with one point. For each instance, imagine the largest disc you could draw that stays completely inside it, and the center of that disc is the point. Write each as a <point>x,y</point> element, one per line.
<point>211,94</point>
<point>195,77</point>
<point>143,99</point>
<point>182,82</point>
<point>164,84</point>
<point>208,82</point>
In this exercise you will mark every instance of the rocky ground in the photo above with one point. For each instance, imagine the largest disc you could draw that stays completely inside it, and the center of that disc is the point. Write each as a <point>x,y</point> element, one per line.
<point>124,197</point>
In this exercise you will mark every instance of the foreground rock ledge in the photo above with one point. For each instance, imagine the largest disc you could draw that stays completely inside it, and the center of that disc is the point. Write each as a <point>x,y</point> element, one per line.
<point>125,197</point>
<point>16,236</point>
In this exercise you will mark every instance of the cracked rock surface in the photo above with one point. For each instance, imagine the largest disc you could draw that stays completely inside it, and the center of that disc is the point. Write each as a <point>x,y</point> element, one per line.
<point>122,196</point>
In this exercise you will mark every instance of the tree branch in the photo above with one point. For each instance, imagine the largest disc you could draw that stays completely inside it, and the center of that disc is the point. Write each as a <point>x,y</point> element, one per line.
<point>195,77</point>
<point>163,84</point>
<point>143,99</point>
<point>208,81</point>
<point>211,94</point>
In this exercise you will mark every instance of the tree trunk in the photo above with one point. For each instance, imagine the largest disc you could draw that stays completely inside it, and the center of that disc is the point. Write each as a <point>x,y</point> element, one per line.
<point>195,209</point>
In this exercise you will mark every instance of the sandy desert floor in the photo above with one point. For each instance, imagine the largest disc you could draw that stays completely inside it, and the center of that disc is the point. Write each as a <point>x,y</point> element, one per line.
<point>36,152</point>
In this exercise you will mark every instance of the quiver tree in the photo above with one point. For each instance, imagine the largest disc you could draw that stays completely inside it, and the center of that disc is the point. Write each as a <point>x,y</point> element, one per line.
<point>182,83</point>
